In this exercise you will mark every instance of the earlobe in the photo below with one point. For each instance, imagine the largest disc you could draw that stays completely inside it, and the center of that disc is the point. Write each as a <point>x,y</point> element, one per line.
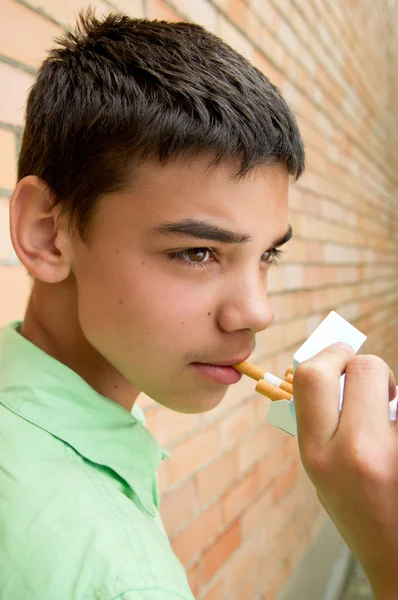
<point>39,241</point>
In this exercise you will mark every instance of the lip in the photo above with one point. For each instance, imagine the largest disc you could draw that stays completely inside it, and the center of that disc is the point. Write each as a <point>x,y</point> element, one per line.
<point>230,362</point>
<point>219,374</point>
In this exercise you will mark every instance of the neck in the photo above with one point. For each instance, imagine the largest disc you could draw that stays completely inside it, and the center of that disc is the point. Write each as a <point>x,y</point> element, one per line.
<point>51,323</point>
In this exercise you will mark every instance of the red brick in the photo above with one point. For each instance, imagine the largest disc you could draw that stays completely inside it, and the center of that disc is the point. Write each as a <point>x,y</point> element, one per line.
<point>237,424</point>
<point>295,252</point>
<point>315,251</point>
<point>189,543</point>
<point>290,447</point>
<point>235,38</point>
<point>266,12</point>
<point>17,283</point>
<point>261,406</point>
<point>270,47</point>
<point>163,476</point>
<point>317,521</point>
<point>17,84</point>
<point>200,11</point>
<point>24,34</point>
<point>6,249</point>
<point>242,391</point>
<point>66,12</point>
<point>285,481</point>
<point>193,453</point>
<point>289,37</point>
<point>223,4</point>
<point>214,592</point>
<point>279,547</point>
<point>238,497</point>
<point>275,281</point>
<point>271,340</point>
<point>217,476</point>
<point>168,425</point>
<point>252,27</point>
<point>301,546</point>
<point>179,506</point>
<point>244,562</point>
<point>193,579</point>
<point>8,153</point>
<point>253,448</point>
<point>272,435</point>
<point>248,587</point>
<point>134,8</point>
<point>278,581</point>
<point>158,9</point>
<point>221,550</point>
<point>256,514</point>
<point>260,61</point>
<point>237,12</point>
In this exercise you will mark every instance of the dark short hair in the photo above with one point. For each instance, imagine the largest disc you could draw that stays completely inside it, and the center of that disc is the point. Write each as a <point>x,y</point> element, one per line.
<point>117,90</point>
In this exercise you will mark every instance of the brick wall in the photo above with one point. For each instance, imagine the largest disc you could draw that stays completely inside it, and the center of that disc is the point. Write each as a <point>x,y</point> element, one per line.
<point>235,501</point>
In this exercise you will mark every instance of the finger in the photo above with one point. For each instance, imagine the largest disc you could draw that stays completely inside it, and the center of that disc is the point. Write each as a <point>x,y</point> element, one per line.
<point>317,394</point>
<point>392,387</point>
<point>367,390</point>
<point>393,393</point>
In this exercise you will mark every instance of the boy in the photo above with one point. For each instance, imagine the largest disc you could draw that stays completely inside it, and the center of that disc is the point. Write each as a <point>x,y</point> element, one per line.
<point>151,202</point>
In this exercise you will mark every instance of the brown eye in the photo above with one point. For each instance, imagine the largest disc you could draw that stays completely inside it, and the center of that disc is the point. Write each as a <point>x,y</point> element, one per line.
<point>194,257</point>
<point>197,254</point>
<point>271,256</point>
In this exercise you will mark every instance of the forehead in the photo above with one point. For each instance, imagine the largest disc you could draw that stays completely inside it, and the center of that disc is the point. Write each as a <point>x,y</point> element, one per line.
<point>191,189</point>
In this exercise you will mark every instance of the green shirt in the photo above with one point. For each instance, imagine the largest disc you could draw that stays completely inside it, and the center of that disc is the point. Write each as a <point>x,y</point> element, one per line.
<point>79,515</point>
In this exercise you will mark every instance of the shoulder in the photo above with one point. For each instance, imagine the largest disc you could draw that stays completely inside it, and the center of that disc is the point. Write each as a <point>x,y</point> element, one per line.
<point>72,526</point>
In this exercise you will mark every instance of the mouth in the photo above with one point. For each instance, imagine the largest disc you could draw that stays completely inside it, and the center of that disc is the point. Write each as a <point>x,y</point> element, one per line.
<point>221,373</point>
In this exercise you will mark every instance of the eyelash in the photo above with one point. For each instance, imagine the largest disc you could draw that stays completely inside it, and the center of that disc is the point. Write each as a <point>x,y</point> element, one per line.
<point>181,255</point>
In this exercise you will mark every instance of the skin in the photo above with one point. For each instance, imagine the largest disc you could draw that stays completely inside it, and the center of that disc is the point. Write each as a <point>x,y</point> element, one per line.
<point>352,458</point>
<point>124,310</point>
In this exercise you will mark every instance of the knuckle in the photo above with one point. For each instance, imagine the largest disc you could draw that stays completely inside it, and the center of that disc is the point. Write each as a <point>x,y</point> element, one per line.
<point>365,462</point>
<point>357,458</point>
<point>367,364</point>
<point>309,373</point>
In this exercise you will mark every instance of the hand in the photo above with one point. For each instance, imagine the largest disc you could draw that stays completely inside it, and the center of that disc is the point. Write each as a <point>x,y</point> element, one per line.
<point>352,457</point>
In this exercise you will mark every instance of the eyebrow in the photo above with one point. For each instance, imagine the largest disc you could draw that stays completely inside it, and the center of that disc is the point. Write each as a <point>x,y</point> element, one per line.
<point>284,238</point>
<point>204,230</point>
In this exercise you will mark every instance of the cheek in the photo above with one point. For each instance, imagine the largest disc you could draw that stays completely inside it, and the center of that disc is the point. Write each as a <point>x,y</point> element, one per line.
<point>140,306</point>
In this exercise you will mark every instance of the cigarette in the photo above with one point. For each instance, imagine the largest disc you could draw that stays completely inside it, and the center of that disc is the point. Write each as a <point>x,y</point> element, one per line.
<point>287,386</point>
<point>269,385</point>
<point>272,392</point>
<point>250,370</point>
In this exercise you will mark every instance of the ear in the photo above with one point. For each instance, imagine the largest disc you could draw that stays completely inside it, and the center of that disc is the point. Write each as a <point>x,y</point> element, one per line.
<point>39,236</point>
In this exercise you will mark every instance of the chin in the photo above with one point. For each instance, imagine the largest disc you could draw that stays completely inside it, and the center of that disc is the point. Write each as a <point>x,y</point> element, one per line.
<point>195,403</point>
<point>208,402</point>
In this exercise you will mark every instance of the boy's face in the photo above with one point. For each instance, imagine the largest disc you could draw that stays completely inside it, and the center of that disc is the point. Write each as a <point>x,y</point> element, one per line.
<point>174,279</point>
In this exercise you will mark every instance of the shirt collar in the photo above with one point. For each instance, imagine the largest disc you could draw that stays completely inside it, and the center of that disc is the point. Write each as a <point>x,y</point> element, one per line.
<point>51,396</point>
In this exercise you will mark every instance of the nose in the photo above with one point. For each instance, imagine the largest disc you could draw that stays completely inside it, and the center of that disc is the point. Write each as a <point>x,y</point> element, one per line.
<point>246,306</point>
